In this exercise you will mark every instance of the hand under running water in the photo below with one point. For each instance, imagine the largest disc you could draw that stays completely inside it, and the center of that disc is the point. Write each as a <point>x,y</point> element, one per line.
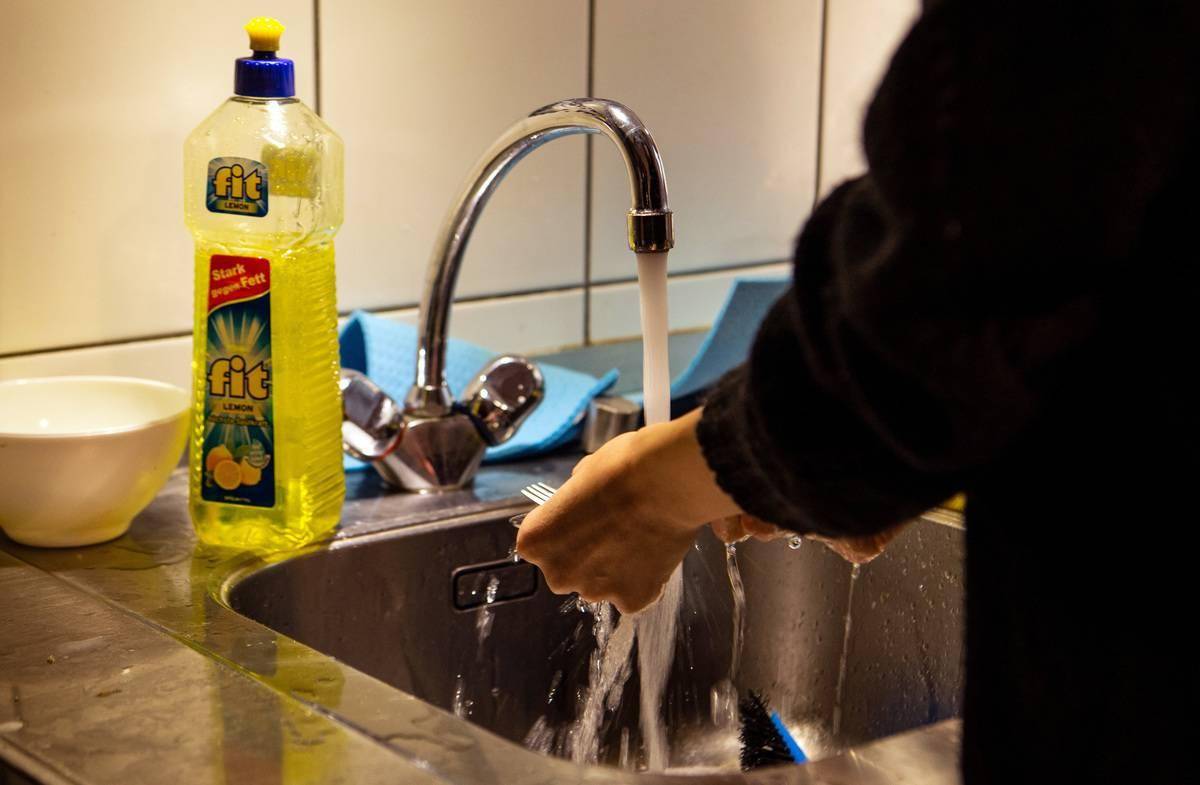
<point>618,528</point>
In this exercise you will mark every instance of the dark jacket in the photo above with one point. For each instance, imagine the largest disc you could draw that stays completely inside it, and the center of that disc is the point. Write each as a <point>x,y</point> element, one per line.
<point>1006,304</point>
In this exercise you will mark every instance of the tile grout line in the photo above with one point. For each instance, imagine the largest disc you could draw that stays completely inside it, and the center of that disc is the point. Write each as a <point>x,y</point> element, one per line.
<point>680,275</point>
<point>674,276</point>
<point>587,180</point>
<point>823,50</point>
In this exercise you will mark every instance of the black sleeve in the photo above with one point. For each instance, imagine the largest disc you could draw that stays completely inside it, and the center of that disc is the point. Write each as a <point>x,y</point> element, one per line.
<point>941,301</point>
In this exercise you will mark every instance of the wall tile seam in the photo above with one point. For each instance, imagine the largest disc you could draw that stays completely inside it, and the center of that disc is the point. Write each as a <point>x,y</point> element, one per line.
<point>491,296</point>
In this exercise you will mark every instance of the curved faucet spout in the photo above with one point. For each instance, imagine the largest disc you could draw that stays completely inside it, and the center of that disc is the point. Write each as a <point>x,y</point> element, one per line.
<point>650,227</point>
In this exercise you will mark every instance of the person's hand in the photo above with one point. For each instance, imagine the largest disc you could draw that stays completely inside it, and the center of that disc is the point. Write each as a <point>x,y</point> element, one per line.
<point>856,550</point>
<point>860,550</point>
<point>618,528</point>
<point>737,528</point>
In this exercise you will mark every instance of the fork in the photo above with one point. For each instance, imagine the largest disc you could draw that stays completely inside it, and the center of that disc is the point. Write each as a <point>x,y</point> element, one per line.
<point>539,493</point>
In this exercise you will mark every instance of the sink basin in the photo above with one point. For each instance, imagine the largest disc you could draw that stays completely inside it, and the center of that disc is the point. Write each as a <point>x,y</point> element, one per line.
<point>845,659</point>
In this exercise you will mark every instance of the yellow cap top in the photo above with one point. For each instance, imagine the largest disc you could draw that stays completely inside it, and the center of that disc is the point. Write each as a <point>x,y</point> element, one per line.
<point>264,33</point>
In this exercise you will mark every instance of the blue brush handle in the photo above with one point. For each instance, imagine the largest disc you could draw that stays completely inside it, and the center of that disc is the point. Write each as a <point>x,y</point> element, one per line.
<point>794,748</point>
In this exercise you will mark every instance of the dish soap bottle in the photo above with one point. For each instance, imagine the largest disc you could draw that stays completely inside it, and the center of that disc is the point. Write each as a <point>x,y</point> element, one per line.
<point>263,199</point>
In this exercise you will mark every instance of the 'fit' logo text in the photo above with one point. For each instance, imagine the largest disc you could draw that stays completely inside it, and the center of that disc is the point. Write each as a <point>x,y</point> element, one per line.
<point>230,379</point>
<point>232,182</point>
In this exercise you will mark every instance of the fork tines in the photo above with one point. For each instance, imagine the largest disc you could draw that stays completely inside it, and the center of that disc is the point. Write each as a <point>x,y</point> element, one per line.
<point>539,493</point>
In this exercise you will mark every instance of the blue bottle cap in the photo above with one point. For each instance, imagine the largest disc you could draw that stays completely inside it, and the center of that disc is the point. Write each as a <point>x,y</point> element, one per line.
<point>264,75</point>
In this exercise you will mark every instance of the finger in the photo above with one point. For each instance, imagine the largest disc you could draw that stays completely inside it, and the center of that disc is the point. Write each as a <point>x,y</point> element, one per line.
<point>762,530</point>
<point>540,522</point>
<point>853,550</point>
<point>553,582</point>
<point>528,542</point>
<point>579,467</point>
<point>533,520</point>
<point>885,537</point>
<point>856,554</point>
<point>635,599</point>
<point>861,550</point>
<point>729,530</point>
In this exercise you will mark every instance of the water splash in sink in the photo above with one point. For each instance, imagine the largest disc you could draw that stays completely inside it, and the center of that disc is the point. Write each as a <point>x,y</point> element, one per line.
<point>724,699</point>
<point>608,671</point>
<point>461,705</point>
<point>485,617</point>
<point>656,647</point>
<point>540,737</point>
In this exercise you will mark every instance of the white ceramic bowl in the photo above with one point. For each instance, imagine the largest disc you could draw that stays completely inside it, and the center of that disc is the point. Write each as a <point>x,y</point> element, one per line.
<point>81,455</point>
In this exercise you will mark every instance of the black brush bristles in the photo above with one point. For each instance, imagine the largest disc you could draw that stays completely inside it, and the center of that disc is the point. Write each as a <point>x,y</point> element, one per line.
<point>761,743</point>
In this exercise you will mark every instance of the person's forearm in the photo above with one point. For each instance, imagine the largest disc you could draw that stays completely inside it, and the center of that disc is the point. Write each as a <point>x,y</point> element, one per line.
<point>690,488</point>
<point>942,302</point>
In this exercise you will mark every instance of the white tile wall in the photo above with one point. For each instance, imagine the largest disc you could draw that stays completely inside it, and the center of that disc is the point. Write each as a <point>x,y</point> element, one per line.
<point>532,323</point>
<point>529,323</point>
<point>97,99</point>
<point>418,91</point>
<point>165,360</point>
<point>692,302</point>
<point>93,250</point>
<point>729,91</point>
<point>860,40</point>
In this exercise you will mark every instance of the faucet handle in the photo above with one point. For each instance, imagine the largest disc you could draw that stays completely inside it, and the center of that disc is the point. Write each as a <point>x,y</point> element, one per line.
<point>502,395</point>
<point>372,423</point>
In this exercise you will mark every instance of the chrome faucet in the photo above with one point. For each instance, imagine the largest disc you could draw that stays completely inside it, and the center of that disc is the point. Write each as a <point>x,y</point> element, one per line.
<point>435,443</point>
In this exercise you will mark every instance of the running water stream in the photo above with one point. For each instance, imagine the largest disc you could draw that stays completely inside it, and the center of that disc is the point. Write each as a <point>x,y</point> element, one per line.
<point>724,697</point>
<point>654,628</point>
<point>656,625</point>
<point>841,678</point>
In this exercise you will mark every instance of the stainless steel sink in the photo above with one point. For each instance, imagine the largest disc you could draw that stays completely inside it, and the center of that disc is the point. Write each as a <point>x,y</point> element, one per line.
<point>846,659</point>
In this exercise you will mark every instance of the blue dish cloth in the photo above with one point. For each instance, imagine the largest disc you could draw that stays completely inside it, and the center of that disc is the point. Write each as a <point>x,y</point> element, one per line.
<point>728,341</point>
<point>386,351</point>
<point>730,338</point>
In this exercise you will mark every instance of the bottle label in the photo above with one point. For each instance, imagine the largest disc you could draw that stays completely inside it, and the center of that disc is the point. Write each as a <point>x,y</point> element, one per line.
<point>238,186</point>
<point>238,419</point>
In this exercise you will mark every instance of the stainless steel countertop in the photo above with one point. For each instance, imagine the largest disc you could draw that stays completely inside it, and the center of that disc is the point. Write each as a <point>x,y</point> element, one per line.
<point>120,664</point>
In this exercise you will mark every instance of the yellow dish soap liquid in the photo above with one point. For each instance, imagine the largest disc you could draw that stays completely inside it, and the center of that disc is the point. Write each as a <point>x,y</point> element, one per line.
<point>263,199</point>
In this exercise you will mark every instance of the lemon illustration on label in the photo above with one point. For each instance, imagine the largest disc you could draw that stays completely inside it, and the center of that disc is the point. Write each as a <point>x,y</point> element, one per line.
<point>216,455</point>
<point>250,474</point>
<point>228,474</point>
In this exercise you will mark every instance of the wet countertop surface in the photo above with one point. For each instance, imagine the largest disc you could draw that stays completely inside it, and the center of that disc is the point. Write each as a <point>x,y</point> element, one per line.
<point>119,663</point>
